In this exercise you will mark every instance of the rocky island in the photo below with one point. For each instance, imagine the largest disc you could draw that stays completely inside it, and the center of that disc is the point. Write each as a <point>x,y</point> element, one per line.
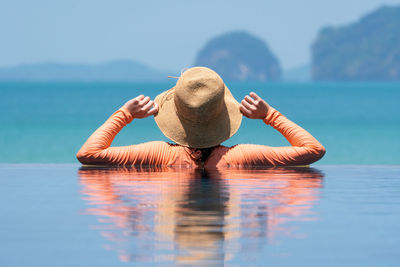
<point>239,56</point>
<point>366,50</point>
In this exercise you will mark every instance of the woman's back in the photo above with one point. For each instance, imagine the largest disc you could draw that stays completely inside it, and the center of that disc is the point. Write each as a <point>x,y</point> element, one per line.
<point>305,148</point>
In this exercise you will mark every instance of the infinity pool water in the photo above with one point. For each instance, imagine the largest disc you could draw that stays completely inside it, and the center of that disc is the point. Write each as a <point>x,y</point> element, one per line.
<point>64,215</point>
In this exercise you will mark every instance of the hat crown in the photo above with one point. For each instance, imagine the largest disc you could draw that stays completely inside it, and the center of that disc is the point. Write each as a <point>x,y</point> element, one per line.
<point>199,94</point>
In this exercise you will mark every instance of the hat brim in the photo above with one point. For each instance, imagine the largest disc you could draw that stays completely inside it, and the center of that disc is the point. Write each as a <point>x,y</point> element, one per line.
<point>197,135</point>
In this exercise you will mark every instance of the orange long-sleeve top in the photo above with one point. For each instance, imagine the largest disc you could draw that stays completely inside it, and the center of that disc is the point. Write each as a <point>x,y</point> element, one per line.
<point>97,150</point>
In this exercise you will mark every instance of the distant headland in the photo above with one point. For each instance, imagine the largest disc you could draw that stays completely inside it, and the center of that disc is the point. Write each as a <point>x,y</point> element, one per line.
<point>118,70</point>
<point>240,56</point>
<point>365,50</point>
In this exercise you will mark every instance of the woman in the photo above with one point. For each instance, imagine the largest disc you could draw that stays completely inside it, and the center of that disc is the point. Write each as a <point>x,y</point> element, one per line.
<point>198,114</point>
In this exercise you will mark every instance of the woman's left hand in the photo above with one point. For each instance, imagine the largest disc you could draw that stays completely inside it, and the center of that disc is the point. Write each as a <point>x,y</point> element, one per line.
<point>254,107</point>
<point>141,107</point>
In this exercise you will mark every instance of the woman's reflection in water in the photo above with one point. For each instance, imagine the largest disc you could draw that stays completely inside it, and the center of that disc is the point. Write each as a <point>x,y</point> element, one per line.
<point>196,216</point>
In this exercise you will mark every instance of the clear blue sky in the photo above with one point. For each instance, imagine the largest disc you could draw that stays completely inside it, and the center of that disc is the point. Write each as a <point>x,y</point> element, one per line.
<point>163,34</point>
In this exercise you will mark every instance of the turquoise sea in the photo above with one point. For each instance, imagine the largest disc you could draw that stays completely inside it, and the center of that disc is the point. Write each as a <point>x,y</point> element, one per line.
<point>358,123</point>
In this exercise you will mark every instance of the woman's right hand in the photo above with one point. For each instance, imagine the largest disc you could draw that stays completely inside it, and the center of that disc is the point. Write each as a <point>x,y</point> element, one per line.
<point>254,107</point>
<point>141,107</point>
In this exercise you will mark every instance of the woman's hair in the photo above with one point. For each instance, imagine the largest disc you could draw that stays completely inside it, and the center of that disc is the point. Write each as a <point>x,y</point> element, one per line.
<point>205,153</point>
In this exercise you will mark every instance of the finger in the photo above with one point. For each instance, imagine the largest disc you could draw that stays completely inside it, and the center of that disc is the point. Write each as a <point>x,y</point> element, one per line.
<point>154,110</point>
<point>148,106</point>
<point>250,100</point>
<point>248,106</point>
<point>133,101</point>
<point>245,111</point>
<point>144,101</point>
<point>139,97</point>
<point>255,96</point>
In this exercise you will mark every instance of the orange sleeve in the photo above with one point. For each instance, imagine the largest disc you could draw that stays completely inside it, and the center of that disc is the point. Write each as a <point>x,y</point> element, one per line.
<point>305,148</point>
<point>97,150</point>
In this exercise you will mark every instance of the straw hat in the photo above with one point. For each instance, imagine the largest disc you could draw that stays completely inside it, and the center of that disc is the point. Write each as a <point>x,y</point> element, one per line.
<point>200,111</point>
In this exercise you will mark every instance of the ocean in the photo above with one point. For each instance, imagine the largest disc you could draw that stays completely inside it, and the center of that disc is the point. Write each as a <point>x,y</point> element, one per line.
<point>339,212</point>
<point>358,123</point>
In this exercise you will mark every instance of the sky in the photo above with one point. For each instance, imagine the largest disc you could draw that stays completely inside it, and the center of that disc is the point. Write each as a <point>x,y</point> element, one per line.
<point>163,34</point>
